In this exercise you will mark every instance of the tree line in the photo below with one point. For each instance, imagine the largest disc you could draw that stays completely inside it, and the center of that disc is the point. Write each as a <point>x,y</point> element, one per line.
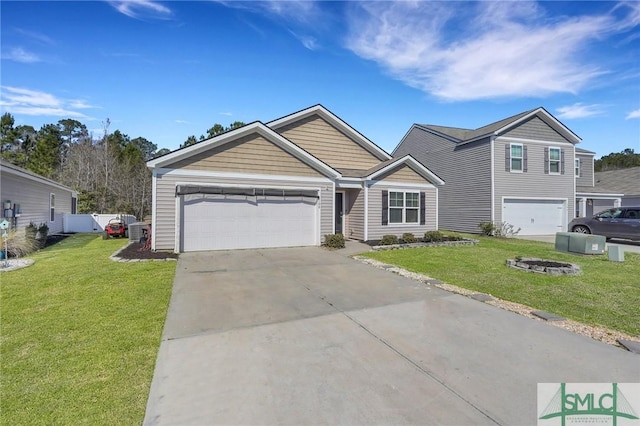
<point>108,172</point>
<point>618,160</point>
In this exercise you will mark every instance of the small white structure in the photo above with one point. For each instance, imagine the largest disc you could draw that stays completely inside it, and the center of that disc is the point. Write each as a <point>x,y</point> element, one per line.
<point>92,222</point>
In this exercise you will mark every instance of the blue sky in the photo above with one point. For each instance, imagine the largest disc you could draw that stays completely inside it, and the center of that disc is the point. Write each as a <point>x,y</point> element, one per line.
<point>168,70</point>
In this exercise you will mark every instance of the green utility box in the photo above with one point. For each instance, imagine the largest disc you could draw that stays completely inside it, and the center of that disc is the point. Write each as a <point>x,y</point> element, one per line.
<point>586,243</point>
<point>562,241</point>
<point>616,254</point>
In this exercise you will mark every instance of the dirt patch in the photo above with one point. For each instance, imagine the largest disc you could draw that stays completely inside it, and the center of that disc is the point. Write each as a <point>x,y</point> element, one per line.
<point>133,251</point>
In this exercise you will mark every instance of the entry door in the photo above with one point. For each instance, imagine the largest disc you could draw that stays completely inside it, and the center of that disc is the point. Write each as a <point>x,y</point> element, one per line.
<point>339,206</point>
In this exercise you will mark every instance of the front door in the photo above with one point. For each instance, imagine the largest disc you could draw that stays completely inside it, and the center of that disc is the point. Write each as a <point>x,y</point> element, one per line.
<point>339,214</point>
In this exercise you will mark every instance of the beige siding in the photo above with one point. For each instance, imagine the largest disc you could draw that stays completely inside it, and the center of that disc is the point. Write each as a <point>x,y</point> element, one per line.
<point>377,230</point>
<point>536,129</point>
<point>403,174</point>
<point>328,144</point>
<point>33,198</point>
<point>355,213</point>
<point>165,215</point>
<point>534,183</point>
<point>250,154</point>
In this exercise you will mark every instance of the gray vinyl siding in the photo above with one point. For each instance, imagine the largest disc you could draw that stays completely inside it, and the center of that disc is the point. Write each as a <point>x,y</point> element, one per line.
<point>165,214</point>
<point>534,183</point>
<point>633,200</point>
<point>465,199</point>
<point>586,170</point>
<point>377,230</point>
<point>355,214</point>
<point>535,129</point>
<point>33,197</point>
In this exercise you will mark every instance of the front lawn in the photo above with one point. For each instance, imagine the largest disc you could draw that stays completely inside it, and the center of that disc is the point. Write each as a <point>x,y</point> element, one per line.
<point>606,293</point>
<point>80,335</point>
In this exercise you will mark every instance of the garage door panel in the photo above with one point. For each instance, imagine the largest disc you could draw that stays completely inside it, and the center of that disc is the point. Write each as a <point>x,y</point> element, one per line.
<point>535,217</point>
<point>210,223</point>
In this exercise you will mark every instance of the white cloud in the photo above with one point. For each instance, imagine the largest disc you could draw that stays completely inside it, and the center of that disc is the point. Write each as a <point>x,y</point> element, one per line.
<point>579,110</point>
<point>139,9</point>
<point>633,114</point>
<point>39,37</point>
<point>18,54</point>
<point>228,114</point>
<point>478,50</point>
<point>182,122</point>
<point>18,100</point>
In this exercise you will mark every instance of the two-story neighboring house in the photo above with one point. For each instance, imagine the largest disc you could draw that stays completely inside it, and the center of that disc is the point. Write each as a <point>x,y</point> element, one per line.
<point>520,170</point>
<point>592,197</point>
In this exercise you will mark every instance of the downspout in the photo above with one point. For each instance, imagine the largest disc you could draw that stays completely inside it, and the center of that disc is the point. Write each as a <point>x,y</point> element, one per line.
<point>154,204</point>
<point>493,171</point>
<point>366,211</point>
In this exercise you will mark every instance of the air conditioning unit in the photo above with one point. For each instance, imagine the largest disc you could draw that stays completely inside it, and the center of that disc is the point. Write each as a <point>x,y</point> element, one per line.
<point>135,230</point>
<point>562,241</point>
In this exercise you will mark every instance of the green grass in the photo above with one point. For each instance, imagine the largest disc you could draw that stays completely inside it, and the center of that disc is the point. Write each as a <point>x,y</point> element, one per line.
<point>80,335</point>
<point>606,293</point>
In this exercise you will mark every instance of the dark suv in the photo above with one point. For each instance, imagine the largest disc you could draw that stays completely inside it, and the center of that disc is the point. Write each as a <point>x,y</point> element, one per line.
<point>618,222</point>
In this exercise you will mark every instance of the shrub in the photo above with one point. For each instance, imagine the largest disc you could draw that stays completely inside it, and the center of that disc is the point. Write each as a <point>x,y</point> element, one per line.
<point>43,232</point>
<point>18,244</point>
<point>487,228</point>
<point>498,229</point>
<point>408,238</point>
<point>334,241</point>
<point>31,231</point>
<point>388,240</point>
<point>433,236</point>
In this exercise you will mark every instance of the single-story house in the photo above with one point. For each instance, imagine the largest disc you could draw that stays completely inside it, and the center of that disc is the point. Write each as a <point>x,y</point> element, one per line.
<point>30,198</point>
<point>288,182</point>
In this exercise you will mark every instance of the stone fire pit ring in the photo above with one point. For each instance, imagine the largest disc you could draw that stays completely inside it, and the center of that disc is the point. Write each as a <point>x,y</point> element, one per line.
<point>543,266</point>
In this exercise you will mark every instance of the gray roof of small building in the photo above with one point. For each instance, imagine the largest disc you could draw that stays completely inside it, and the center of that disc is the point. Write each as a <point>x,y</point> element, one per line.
<point>622,181</point>
<point>584,151</point>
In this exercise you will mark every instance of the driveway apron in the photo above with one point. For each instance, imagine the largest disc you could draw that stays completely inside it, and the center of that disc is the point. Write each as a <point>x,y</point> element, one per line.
<point>308,336</point>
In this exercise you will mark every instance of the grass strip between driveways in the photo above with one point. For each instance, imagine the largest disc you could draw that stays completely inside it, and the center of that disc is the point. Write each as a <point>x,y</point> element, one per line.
<point>80,335</point>
<point>606,293</point>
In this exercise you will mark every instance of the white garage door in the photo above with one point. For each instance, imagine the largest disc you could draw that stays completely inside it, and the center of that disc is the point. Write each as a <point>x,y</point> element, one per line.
<point>215,223</point>
<point>535,217</point>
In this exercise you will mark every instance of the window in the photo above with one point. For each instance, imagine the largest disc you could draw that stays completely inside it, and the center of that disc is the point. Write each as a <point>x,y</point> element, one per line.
<point>577,167</point>
<point>404,207</point>
<point>52,207</point>
<point>516,157</point>
<point>554,160</point>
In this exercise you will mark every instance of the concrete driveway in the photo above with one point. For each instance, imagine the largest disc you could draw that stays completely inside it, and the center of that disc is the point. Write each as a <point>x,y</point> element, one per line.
<point>307,336</point>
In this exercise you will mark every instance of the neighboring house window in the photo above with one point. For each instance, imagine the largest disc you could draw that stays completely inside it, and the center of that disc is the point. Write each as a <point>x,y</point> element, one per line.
<point>404,207</point>
<point>577,167</point>
<point>553,160</point>
<point>515,158</point>
<point>52,207</point>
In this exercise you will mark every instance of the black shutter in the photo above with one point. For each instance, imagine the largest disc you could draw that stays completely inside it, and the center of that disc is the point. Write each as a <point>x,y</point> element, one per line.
<point>546,161</point>
<point>562,161</point>
<point>423,210</point>
<point>385,207</point>
<point>507,158</point>
<point>525,158</point>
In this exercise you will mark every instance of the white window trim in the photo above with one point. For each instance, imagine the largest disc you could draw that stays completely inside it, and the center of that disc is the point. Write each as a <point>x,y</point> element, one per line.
<point>559,160</point>
<point>404,208</point>
<point>52,207</point>
<point>576,167</point>
<point>511,157</point>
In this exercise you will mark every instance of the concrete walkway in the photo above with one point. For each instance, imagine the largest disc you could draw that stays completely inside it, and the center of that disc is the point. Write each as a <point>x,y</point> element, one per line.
<point>310,336</point>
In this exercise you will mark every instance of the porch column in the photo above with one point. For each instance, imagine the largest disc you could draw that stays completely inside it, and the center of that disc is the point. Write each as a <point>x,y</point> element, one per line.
<point>583,207</point>
<point>617,202</point>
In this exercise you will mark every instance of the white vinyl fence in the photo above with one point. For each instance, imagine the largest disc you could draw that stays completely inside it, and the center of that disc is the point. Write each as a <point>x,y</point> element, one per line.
<point>92,222</point>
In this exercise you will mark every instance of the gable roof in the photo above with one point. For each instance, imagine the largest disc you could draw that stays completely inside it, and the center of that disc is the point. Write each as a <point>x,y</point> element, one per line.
<point>19,171</point>
<point>462,136</point>
<point>256,127</point>
<point>584,151</point>
<point>622,181</point>
<point>389,165</point>
<point>337,122</point>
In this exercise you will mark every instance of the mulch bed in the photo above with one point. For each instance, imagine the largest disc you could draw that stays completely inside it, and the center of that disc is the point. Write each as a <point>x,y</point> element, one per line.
<point>132,251</point>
